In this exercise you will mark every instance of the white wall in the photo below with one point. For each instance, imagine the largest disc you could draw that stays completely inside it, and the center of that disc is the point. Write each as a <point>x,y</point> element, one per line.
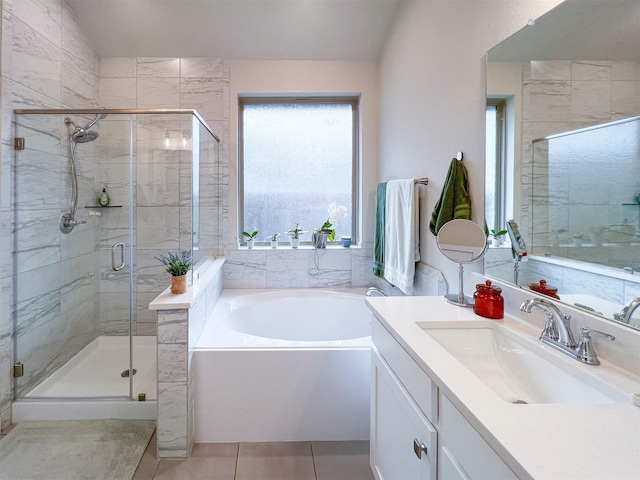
<point>432,98</point>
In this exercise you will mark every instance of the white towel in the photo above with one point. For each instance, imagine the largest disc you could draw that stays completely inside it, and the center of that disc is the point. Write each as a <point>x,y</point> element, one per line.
<point>401,234</point>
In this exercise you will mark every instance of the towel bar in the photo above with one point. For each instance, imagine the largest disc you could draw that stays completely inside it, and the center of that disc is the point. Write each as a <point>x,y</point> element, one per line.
<point>421,181</point>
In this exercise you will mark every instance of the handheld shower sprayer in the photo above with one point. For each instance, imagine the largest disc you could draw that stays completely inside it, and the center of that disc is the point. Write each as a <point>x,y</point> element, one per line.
<point>76,136</point>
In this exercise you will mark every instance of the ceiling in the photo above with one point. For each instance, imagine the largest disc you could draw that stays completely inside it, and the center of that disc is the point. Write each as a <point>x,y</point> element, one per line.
<point>580,30</point>
<point>237,29</point>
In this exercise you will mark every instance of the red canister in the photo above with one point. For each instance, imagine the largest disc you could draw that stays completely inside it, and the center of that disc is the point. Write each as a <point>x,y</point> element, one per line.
<point>544,289</point>
<point>489,302</point>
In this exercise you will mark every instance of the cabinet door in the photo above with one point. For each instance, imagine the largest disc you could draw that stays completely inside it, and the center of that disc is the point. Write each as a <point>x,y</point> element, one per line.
<point>403,442</point>
<point>463,452</point>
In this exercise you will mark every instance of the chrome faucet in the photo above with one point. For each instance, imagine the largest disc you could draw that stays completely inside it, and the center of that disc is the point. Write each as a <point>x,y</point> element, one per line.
<point>557,326</point>
<point>371,291</point>
<point>625,315</point>
<point>557,332</point>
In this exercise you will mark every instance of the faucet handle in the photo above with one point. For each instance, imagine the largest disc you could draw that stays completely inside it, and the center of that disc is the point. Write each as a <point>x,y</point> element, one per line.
<point>584,349</point>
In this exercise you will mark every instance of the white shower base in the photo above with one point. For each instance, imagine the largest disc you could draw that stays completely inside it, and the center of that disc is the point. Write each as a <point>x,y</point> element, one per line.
<point>90,385</point>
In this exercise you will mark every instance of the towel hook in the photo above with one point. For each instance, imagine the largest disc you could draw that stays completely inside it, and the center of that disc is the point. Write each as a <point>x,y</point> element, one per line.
<point>459,156</point>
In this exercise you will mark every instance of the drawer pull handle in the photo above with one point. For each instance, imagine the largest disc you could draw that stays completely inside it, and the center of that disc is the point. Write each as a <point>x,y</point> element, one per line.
<point>419,447</point>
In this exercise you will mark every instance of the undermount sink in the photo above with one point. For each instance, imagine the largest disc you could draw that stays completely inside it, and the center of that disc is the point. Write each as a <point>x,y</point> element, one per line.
<point>509,365</point>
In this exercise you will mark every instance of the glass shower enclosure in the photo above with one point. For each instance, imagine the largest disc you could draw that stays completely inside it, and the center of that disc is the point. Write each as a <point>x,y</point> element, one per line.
<point>98,195</point>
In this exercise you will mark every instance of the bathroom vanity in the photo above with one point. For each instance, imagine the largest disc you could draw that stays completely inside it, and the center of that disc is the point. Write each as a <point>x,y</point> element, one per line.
<point>443,407</point>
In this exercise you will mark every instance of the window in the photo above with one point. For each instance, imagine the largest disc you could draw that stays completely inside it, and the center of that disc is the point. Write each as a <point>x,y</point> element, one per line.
<point>297,156</point>
<point>495,174</point>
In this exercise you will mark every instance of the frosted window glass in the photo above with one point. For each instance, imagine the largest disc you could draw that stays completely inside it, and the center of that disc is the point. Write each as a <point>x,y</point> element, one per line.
<point>297,159</point>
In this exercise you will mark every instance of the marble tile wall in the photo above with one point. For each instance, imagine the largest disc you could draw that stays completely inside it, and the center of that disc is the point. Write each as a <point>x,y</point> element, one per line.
<point>45,64</point>
<point>285,267</point>
<point>178,331</point>
<point>163,177</point>
<point>560,96</point>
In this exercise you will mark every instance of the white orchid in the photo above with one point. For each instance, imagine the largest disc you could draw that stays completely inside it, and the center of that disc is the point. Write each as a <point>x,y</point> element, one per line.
<point>336,212</point>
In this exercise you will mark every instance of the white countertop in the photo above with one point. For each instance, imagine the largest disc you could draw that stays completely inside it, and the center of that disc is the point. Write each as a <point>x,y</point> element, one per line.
<point>541,441</point>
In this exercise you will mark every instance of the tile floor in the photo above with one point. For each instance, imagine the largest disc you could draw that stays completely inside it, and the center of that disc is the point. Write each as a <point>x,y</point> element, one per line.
<point>262,461</point>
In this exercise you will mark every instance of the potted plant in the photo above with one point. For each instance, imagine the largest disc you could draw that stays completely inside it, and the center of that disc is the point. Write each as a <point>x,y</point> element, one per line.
<point>326,231</point>
<point>178,264</point>
<point>497,237</point>
<point>295,233</point>
<point>274,240</point>
<point>251,238</point>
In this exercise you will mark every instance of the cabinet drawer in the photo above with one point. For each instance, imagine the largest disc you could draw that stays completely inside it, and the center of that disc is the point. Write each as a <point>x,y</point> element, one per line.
<point>423,391</point>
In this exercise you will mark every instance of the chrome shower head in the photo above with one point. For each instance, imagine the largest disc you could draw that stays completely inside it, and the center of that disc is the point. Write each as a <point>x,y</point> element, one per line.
<point>84,136</point>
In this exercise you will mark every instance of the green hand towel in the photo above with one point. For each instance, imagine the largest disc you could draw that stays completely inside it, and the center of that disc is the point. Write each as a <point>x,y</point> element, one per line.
<point>378,239</point>
<point>454,201</point>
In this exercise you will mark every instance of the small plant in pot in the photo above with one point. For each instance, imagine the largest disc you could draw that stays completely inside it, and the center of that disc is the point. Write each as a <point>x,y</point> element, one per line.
<point>178,264</point>
<point>295,233</point>
<point>497,237</point>
<point>274,240</point>
<point>326,231</point>
<point>251,238</point>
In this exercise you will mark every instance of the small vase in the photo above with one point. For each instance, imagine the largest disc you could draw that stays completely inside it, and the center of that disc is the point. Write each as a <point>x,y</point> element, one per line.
<point>295,242</point>
<point>320,240</point>
<point>274,243</point>
<point>250,243</point>
<point>179,284</point>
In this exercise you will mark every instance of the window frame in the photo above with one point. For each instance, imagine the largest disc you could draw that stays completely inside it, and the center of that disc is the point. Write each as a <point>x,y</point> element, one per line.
<point>354,101</point>
<point>500,181</point>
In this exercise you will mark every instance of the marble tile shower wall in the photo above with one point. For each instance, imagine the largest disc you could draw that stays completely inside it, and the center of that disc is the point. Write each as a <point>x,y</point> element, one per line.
<point>162,177</point>
<point>45,64</point>
<point>560,96</point>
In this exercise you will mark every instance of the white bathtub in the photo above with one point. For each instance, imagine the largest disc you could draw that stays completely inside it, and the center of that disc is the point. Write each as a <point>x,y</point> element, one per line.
<point>284,365</point>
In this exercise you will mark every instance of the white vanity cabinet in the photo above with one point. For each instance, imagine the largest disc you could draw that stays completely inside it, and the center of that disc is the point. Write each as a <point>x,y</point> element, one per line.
<point>416,432</point>
<point>403,441</point>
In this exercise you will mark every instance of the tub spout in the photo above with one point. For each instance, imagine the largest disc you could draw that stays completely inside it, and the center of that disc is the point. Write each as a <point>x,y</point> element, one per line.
<point>374,291</point>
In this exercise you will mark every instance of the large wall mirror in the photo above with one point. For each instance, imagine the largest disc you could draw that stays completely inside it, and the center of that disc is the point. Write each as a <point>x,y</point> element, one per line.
<point>563,153</point>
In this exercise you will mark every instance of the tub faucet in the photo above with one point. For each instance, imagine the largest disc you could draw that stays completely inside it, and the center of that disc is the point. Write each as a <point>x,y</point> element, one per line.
<point>557,326</point>
<point>625,315</point>
<point>371,291</point>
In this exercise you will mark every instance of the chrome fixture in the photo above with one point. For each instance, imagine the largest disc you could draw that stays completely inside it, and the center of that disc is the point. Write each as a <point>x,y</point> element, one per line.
<point>625,315</point>
<point>76,136</point>
<point>374,291</point>
<point>557,332</point>
<point>557,326</point>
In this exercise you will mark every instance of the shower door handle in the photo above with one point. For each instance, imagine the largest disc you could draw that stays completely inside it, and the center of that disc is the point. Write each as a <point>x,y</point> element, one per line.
<point>113,256</point>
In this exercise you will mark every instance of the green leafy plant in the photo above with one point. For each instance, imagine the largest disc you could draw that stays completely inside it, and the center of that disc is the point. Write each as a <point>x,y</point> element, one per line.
<point>274,237</point>
<point>498,234</point>
<point>177,263</point>
<point>250,236</point>
<point>296,232</point>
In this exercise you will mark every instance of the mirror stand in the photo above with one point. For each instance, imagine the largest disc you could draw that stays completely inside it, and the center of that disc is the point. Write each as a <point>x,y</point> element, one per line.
<point>460,298</point>
<point>461,241</point>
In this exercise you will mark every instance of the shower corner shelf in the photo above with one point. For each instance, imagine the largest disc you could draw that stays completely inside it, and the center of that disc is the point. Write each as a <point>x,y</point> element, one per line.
<point>101,207</point>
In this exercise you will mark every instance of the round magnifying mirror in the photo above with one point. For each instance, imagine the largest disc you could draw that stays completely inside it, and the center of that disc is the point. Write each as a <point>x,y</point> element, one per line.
<point>461,241</point>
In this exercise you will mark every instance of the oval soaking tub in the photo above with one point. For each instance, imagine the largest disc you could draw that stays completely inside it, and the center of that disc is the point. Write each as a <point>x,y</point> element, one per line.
<point>284,365</point>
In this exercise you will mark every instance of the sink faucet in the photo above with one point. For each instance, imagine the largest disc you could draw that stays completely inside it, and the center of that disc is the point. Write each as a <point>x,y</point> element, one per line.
<point>557,332</point>
<point>557,326</point>
<point>625,315</point>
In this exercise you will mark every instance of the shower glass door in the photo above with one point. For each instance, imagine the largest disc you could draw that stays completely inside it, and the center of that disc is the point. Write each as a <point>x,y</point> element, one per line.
<point>74,299</point>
